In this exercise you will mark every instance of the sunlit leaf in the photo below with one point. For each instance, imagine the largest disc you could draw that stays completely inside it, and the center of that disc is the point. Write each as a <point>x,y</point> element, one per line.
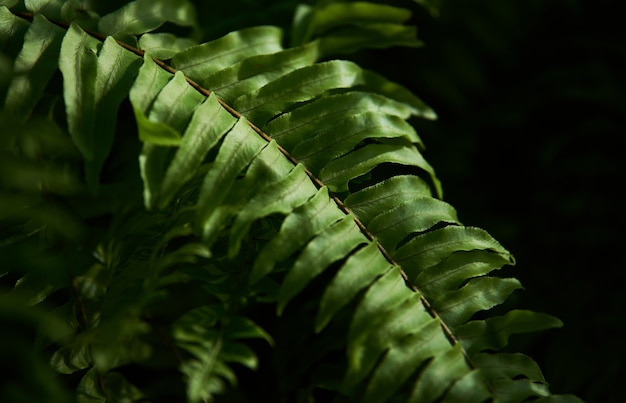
<point>200,61</point>
<point>141,16</point>
<point>34,66</point>
<point>97,78</point>
<point>164,45</point>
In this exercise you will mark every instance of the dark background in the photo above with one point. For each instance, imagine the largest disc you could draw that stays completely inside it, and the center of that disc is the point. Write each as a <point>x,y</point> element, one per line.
<point>531,98</point>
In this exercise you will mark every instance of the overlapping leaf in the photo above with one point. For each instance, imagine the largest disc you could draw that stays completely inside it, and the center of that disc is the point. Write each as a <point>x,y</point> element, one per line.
<point>345,27</point>
<point>34,66</point>
<point>96,79</point>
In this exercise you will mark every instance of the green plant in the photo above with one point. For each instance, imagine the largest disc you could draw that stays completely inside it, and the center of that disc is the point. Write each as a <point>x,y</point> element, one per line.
<point>280,217</point>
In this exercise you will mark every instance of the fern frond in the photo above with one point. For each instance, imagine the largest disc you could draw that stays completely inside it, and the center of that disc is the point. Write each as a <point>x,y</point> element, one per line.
<point>296,176</point>
<point>388,366</point>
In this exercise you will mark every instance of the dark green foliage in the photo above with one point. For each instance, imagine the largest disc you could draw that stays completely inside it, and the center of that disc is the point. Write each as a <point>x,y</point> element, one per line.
<point>169,226</point>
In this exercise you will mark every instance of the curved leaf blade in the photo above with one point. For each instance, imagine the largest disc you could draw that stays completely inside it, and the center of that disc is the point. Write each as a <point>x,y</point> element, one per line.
<point>441,372</point>
<point>163,45</point>
<point>171,111</point>
<point>280,197</point>
<point>295,126</point>
<point>493,333</point>
<point>376,199</point>
<point>414,337</point>
<point>78,63</point>
<point>302,224</point>
<point>416,215</point>
<point>337,173</point>
<point>333,244</point>
<point>96,79</point>
<point>255,71</point>
<point>431,248</point>
<point>360,270</point>
<point>198,62</point>
<point>335,138</point>
<point>333,15</point>
<point>209,123</point>
<point>455,269</point>
<point>141,16</point>
<point>148,84</point>
<point>458,306</point>
<point>239,148</point>
<point>298,86</point>
<point>351,39</point>
<point>471,387</point>
<point>34,66</point>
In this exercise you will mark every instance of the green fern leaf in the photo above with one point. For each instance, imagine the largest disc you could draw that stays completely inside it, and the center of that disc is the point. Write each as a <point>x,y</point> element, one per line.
<point>455,269</point>
<point>256,71</point>
<point>201,135</point>
<point>200,61</point>
<point>429,249</point>
<point>95,82</point>
<point>34,66</point>
<point>141,16</point>
<point>323,146</point>
<point>405,336</point>
<point>492,334</point>
<point>414,215</point>
<point>323,113</point>
<point>340,171</point>
<point>12,31</point>
<point>302,224</point>
<point>359,271</point>
<point>163,123</point>
<point>164,45</point>
<point>345,27</point>
<point>280,197</point>
<point>235,154</point>
<point>212,346</point>
<point>383,196</point>
<point>331,245</point>
<point>89,389</point>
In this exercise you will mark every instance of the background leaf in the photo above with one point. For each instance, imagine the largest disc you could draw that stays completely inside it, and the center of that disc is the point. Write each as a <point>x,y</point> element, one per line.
<point>141,16</point>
